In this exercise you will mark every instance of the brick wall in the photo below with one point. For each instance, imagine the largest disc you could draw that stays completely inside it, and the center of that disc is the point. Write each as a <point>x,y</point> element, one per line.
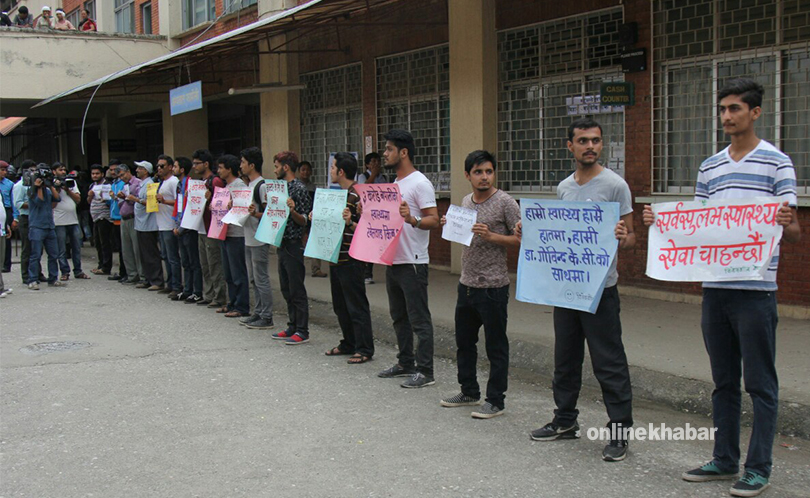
<point>139,15</point>
<point>246,16</point>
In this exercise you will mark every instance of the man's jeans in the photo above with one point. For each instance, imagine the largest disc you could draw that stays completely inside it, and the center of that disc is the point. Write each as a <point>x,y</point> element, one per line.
<point>74,233</point>
<point>190,260</point>
<point>475,308</point>
<point>43,238</point>
<point>408,302</point>
<point>236,278</point>
<point>25,253</point>
<point>739,330</point>
<point>603,332</point>
<point>211,264</point>
<point>130,251</point>
<point>351,307</point>
<point>171,255</point>
<point>257,259</point>
<point>291,273</point>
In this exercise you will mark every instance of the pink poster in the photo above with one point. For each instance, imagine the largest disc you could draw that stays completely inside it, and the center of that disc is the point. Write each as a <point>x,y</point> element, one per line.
<point>377,234</point>
<point>219,208</point>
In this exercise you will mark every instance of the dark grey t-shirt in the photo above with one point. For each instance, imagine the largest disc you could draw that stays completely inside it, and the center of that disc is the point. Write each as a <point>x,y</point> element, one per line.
<point>483,264</point>
<point>607,186</point>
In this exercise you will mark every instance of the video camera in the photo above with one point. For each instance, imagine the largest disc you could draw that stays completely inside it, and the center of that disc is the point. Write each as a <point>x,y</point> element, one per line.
<point>68,181</point>
<point>47,177</point>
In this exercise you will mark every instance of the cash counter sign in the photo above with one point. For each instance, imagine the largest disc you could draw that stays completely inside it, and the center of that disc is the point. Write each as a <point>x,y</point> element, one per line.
<point>617,93</point>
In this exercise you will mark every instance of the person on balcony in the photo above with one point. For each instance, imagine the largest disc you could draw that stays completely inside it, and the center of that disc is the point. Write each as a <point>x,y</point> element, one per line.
<point>44,21</point>
<point>23,19</point>
<point>61,23</point>
<point>87,24</point>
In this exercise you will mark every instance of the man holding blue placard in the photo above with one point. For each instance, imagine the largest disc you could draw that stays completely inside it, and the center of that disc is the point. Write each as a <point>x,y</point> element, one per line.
<point>346,276</point>
<point>602,330</point>
<point>483,289</point>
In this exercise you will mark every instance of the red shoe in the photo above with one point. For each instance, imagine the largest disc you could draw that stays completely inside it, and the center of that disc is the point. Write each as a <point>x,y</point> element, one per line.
<point>282,336</point>
<point>295,340</point>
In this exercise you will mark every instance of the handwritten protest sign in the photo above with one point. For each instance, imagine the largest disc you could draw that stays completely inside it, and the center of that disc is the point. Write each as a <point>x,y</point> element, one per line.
<point>193,212</point>
<point>326,233</point>
<point>241,198</point>
<point>219,208</point>
<point>459,224</point>
<point>566,252</point>
<point>713,241</point>
<point>377,234</point>
<point>151,197</point>
<point>274,220</point>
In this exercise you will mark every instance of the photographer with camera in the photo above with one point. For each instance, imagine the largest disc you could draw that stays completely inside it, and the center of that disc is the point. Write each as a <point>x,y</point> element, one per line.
<point>20,197</point>
<point>66,221</point>
<point>43,196</point>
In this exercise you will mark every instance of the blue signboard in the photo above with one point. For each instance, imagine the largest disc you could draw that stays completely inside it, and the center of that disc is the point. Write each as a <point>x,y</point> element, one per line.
<point>186,98</point>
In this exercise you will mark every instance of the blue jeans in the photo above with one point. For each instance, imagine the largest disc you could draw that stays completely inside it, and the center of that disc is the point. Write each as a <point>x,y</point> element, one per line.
<point>171,255</point>
<point>43,238</point>
<point>75,235</point>
<point>235,269</point>
<point>739,330</point>
<point>190,260</point>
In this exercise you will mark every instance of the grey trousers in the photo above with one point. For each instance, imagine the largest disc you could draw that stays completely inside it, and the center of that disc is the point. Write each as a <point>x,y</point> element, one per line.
<point>258,261</point>
<point>211,262</point>
<point>130,250</point>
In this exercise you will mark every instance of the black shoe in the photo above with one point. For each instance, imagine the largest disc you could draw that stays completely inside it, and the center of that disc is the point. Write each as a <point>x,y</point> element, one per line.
<point>173,295</point>
<point>418,380</point>
<point>551,431</point>
<point>193,299</point>
<point>6,270</point>
<point>396,371</point>
<point>114,277</point>
<point>708,472</point>
<point>751,484</point>
<point>183,296</point>
<point>203,302</point>
<point>615,451</point>
<point>261,323</point>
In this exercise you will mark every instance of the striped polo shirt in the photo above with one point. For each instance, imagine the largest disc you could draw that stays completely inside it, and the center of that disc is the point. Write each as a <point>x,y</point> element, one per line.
<point>765,171</point>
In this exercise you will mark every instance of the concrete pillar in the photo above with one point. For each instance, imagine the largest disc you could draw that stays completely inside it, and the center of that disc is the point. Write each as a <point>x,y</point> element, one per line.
<point>280,111</point>
<point>184,133</point>
<point>473,92</point>
<point>118,139</point>
<point>270,7</point>
<point>170,21</point>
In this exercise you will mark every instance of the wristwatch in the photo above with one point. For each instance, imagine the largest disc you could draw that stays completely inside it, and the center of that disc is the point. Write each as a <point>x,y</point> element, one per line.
<point>418,221</point>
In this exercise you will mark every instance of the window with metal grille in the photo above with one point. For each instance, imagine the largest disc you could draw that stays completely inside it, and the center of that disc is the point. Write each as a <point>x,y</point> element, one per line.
<point>331,117</point>
<point>549,74</point>
<point>767,40</point>
<point>413,93</point>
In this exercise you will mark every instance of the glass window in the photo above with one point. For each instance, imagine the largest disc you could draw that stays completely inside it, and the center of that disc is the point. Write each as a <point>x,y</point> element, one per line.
<point>146,18</point>
<point>237,5</point>
<point>125,16</point>
<point>198,11</point>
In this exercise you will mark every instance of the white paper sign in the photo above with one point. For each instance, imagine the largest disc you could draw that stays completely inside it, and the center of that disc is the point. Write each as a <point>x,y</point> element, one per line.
<point>240,199</point>
<point>195,206</point>
<point>713,241</point>
<point>106,190</point>
<point>459,224</point>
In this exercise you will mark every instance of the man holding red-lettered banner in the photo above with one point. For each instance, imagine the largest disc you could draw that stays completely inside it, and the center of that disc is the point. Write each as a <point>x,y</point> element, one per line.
<point>740,316</point>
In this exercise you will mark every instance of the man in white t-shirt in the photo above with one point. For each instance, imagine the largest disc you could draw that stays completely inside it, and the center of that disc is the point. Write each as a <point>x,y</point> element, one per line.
<point>67,224</point>
<point>169,248</point>
<point>407,279</point>
<point>234,266</point>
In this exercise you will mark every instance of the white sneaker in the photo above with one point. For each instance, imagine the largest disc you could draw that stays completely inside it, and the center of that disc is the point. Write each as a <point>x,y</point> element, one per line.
<point>6,292</point>
<point>33,286</point>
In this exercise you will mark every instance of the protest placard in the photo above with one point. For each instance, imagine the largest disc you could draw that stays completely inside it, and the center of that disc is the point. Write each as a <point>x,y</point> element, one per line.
<point>219,208</point>
<point>240,202</point>
<point>459,223</point>
<point>713,241</point>
<point>377,234</point>
<point>326,232</point>
<point>566,252</point>
<point>106,192</point>
<point>274,220</point>
<point>151,197</point>
<point>193,212</point>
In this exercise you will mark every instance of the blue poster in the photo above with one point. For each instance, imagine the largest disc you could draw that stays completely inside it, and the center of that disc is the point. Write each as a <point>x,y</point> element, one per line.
<point>566,252</point>
<point>186,98</point>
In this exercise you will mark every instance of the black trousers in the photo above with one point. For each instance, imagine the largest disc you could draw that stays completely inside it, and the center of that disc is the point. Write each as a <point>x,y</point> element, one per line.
<point>291,273</point>
<point>408,301</point>
<point>25,252</point>
<point>603,332</point>
<point>150,257</point>
<point>115,243</point>
<point>351,307</point>
<point>7,261</point>
<point>475,308</point>
<point>102,235</point>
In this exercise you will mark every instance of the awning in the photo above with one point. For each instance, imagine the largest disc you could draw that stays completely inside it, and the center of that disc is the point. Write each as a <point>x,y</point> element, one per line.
<point>9,124</point>
<point>237,43</point>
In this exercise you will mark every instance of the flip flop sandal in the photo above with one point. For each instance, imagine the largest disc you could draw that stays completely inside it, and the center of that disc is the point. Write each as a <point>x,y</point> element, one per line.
<point>64,278</point>
<point>358,359</point>
<point>82,276</point>
<point>96,271</point>
<point>224,309</point>
<point>336,352</point>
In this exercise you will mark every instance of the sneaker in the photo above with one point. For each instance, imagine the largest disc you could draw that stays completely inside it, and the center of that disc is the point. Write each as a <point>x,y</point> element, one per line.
<point>193,299</point>
<point>57,283</point>
<point>488,410</point>
<point>114,277</point>
<point>248,319</point>
<point>708,472</point>
<point>142,285</point>
<point>295,340</point>
<point>261,323</point>
<point>552,431</point>
<point>128,281</point>
<point>751,484</point>
<point>369,281</point>
<point>173,295</point>
<point>282,336</point>
<point>6,293</point>
<point>203,302</point>
<point>418,380</point>
<point>460,399</point>
<point>182,296</point>
<point>615,451</point>
<point>154,288</point>
<point>33,286</point>
<point>396,371</point>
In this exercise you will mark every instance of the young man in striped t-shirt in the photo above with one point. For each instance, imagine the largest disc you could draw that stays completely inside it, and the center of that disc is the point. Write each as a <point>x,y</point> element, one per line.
<point>739,318</point>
